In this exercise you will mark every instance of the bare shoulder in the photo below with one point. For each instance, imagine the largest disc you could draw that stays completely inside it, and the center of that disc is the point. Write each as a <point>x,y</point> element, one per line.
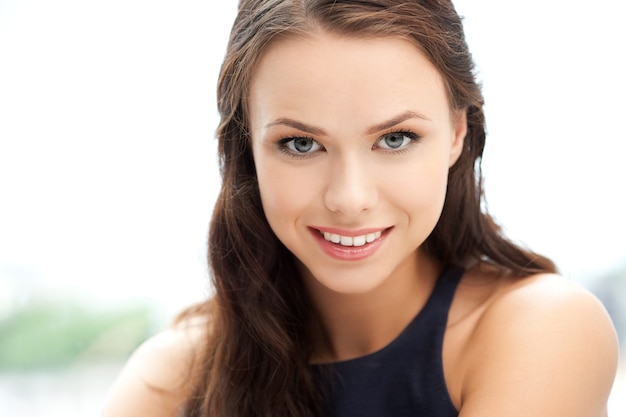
<point>156,379</point>
<point>543,345</point>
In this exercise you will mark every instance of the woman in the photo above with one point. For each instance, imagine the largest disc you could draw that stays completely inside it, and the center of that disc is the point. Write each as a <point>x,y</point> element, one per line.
<point>355,272</point>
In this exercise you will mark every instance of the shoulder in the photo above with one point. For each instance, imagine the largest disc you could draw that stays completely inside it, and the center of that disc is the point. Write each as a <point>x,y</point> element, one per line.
<point>543,345</point>
<point>156,379</point>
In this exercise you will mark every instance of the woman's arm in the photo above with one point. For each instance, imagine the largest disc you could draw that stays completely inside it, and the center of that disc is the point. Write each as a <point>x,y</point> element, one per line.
<point>547,348</point>
<point>156,380</point>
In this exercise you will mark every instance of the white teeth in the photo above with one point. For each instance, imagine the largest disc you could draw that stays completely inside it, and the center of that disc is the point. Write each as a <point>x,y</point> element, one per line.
<point>331,237</point>
<point>352,240</point>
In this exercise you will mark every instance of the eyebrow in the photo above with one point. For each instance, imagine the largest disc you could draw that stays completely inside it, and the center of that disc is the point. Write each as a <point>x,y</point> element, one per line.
<point>297,125</point>
<point>313,130</point>
<point>407,115</point>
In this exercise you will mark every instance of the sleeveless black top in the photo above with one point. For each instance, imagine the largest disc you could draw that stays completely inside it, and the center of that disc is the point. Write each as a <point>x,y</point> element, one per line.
<point>403,379</point>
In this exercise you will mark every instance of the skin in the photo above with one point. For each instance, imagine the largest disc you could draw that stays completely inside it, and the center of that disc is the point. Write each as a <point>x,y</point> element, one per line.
<point>352,180</point>
<point>540,346</point>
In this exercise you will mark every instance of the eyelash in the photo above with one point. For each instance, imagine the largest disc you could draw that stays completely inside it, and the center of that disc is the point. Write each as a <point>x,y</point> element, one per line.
<point>414,139</point>
<point>283,147</point>
<point>284,141</point>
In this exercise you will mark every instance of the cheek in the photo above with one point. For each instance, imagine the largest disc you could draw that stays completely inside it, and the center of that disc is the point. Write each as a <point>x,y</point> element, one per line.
<point>285,194</point>
<point>422,189</point>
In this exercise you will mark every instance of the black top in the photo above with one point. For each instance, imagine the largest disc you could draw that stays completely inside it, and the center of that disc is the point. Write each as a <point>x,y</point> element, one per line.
<point>405,378</point>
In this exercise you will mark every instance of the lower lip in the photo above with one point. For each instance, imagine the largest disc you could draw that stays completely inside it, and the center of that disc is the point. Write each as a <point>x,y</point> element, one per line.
<point>348,253</point>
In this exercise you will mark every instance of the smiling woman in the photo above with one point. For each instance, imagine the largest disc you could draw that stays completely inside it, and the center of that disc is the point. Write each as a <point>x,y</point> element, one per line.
<point>380,130</point>
<point>354,268</point>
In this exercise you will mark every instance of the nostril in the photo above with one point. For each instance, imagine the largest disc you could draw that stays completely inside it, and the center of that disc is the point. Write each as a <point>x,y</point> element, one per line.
<point>351,189</point>
<point>350,200</point>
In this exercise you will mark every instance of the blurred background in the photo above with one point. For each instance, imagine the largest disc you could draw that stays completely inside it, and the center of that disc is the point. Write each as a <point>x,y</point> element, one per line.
<point>108,171</point>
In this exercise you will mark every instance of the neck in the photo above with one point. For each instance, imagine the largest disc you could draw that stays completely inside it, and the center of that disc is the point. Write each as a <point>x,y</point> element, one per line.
<point>354,325</point>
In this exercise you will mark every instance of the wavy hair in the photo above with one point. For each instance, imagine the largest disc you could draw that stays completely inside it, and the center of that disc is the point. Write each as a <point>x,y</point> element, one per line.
<point>255,362</point>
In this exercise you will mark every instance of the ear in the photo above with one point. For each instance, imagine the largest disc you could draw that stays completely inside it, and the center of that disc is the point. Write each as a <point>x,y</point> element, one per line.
<point>459,131</point>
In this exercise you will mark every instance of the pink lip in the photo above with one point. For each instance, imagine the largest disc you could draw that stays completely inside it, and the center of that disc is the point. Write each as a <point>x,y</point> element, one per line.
<point>348,253</point>
<point>350,233</point>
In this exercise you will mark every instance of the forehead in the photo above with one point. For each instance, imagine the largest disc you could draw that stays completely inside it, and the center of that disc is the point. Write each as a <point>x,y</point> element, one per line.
<point>325,74</point>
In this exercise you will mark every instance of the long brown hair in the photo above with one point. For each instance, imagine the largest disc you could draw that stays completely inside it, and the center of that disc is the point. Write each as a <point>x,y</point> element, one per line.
<point>255,362</point>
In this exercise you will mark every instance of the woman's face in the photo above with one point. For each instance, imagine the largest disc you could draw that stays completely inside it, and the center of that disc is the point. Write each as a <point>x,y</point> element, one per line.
<point>352,140</point>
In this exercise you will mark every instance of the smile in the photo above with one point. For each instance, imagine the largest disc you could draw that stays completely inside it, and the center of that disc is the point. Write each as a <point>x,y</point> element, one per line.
<point>351,240</point>
<point>350,245</point>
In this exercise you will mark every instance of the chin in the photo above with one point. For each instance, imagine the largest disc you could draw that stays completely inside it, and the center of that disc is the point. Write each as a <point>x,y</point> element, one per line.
<point>350,281</point>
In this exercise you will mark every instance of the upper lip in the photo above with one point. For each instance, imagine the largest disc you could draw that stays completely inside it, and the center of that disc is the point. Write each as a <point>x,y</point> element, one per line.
<point>349,232</point>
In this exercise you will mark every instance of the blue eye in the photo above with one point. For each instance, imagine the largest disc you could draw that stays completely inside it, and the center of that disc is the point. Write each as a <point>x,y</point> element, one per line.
<point>300,145</point>
<point>396,140</point>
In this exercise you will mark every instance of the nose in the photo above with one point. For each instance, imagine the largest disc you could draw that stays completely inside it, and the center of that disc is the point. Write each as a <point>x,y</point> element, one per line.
<point>351,187</point>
